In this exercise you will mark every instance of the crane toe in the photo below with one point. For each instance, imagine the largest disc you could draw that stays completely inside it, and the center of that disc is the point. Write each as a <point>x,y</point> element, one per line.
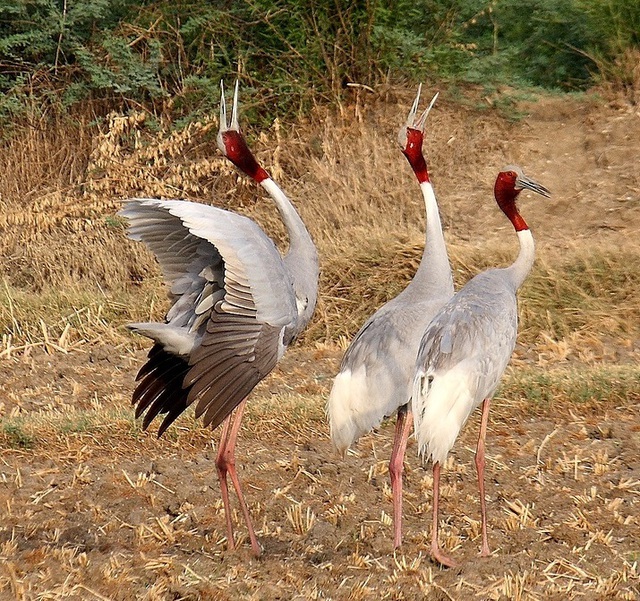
<point>442,558</point>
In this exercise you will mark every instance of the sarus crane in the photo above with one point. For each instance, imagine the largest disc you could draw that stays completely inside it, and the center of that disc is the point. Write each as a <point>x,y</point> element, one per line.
<point>465,350</point>
<point>237,304</point>
<point>376,372</point>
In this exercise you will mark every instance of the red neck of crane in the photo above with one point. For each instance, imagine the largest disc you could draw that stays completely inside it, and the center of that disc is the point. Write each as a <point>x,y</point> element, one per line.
<point>506,195</point>
<point>413,152</point>
<point>239,154</point>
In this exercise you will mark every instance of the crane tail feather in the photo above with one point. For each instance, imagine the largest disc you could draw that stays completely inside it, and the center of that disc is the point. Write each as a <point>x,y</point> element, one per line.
<point>349,409</point>
<point>441,406</point>
<point>341,424</point>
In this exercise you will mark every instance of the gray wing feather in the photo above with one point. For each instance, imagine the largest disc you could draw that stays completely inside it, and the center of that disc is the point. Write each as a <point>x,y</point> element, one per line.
<point>235,354</point>
<point>478,326</point>
<point>229,283</point>
<point>190,239</point>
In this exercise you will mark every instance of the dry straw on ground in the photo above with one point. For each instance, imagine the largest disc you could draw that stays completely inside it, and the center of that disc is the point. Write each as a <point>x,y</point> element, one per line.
<point>95,509</point>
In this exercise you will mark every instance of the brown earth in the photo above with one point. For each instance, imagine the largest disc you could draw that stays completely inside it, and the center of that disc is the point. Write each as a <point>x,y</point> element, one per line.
<point>91,508</point>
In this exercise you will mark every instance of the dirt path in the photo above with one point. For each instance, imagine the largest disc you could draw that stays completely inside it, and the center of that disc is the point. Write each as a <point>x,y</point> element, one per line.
<point>94,509</point>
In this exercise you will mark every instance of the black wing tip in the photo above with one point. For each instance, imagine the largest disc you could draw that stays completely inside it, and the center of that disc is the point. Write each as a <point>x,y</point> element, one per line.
<point>160,390</point>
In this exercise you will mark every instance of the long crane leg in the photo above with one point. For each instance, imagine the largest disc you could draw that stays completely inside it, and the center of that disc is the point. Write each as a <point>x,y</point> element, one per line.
<point>484,552</point>
<point>396,465</point>
<point>436,552</point>
<point>226,464</point>
<point>222,469</point>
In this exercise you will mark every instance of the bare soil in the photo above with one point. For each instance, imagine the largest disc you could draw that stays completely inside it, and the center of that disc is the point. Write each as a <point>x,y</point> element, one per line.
<point>92,508</point>
<point>584,152</point>
<point>96,509</point>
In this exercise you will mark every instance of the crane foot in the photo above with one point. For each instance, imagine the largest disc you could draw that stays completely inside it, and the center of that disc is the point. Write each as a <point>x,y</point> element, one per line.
<point>442,558</point>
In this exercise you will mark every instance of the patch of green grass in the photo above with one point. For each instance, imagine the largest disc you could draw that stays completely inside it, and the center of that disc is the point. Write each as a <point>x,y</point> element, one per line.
<point>76,423</point>
<point>16,437</point>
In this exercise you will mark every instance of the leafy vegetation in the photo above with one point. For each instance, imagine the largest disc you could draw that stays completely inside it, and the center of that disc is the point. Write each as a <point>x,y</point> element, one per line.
<point>170,56</point>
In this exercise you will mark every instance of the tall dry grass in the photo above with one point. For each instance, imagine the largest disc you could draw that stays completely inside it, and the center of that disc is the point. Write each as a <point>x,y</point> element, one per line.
<point>65,254</point>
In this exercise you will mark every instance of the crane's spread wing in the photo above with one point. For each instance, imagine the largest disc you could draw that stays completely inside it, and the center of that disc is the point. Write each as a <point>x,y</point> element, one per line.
<point>186,236</point>
<point>235,354</point>
<point>159,388</point>
<point>231,291</point>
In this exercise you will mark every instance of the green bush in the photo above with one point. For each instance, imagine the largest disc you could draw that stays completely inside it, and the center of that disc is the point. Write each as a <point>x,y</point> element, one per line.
<point>547,43</point>
<point>171,55</point>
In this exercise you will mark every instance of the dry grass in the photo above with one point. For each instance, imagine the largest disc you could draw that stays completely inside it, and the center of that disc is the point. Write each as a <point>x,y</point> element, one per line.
<point>353,188</point>
<point>579,306</point>
<point>65,319</point>
<point>95,509</point>
<point>621,78</point>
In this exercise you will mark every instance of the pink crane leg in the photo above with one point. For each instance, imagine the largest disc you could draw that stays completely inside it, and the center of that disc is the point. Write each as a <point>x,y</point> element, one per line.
<point>396,465</point>
<point>226,464</point>
<point>484,552</point>
<point>436,553</point>
<point>221,467</point>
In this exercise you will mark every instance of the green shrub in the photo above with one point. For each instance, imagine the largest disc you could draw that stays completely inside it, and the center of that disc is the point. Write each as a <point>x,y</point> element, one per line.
<point>170,56</point>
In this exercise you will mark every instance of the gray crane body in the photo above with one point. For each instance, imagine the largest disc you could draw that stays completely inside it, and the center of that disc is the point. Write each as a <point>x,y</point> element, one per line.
<point>236,306</point>
<point>464,352</point>
<point>376,373</point>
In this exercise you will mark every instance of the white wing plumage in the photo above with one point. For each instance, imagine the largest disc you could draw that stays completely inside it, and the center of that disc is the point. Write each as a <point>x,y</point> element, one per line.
<point>463,353</point>
<point>376,371</point>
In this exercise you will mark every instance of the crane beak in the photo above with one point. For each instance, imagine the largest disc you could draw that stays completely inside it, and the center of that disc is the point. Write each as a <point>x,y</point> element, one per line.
<point>414,122</point>
<point>224,124</point>
<point>524,182</point>
<point>419,123</point>
<point>223,109</point>
<point>234,114</point>
<point>414,108</point>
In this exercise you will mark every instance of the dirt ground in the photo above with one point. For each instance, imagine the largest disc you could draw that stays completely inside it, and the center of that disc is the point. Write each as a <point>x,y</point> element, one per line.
<point>583,152</point>
<point>92,508</point>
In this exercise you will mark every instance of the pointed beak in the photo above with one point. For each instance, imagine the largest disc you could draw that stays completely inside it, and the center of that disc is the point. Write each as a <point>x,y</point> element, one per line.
<point>420,123</point>
<point>414,122</point>
<point>223,109</point>
<point>234,114</point>
<point>224,125</point>
<point>414,108</point>
<point>524,182</point>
